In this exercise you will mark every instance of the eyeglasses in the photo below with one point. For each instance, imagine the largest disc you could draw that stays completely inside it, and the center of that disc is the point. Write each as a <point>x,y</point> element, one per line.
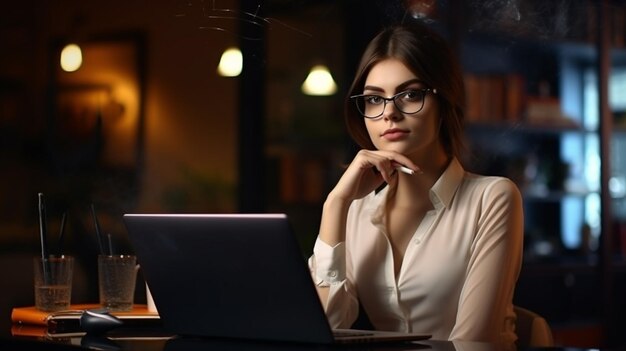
<point>409,102</point>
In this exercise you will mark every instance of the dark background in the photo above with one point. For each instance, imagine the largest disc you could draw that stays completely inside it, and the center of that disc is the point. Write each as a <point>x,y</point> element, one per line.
<point>198,142</point>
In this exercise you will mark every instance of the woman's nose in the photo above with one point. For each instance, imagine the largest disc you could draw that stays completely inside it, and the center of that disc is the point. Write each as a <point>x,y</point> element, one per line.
<point>391,112</point>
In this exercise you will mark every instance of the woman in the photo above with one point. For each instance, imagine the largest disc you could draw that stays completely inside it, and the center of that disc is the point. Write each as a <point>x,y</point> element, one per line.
<point>437,251</point>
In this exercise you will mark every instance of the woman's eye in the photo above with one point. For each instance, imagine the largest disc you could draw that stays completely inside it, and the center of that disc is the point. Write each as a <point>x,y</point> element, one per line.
<point>410,95</point>
<point>374,100</point>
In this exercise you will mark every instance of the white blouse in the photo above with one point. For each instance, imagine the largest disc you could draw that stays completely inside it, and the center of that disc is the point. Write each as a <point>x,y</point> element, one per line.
<point>459,271</point>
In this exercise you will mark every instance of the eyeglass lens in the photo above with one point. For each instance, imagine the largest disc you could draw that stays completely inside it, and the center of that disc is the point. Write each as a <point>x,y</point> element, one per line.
<point>372,106</point>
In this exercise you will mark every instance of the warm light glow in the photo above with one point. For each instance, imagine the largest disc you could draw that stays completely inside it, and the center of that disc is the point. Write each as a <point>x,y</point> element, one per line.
<point>71,58</point>
<point>231,63</point>
<point>319,82</point>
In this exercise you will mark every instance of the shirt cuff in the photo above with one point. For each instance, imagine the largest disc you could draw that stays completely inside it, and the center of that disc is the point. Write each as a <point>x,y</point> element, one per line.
<point>330,263</point>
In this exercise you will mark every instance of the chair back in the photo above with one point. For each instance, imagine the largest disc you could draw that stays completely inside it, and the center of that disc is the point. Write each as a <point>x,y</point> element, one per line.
<point>532,329</point>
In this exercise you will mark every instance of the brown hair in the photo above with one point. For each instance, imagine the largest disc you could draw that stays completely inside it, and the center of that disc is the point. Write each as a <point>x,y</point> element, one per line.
<point>426,54</point>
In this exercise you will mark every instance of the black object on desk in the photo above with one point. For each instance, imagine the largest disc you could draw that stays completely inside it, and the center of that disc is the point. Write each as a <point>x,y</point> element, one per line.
<point>96,322</point>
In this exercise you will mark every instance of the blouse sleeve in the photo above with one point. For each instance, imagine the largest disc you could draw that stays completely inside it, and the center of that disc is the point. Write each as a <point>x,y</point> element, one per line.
<point>328,267</point>
<point>485,311</point>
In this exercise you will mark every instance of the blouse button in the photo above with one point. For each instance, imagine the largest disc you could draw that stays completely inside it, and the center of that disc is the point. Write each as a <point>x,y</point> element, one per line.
<point>418,241</point>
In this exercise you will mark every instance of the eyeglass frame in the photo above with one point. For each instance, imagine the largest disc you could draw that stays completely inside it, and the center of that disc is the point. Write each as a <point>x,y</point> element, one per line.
<point>393,98</point>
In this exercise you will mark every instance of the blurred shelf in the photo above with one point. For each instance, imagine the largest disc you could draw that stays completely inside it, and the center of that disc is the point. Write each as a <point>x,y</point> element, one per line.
<point>555,128</point>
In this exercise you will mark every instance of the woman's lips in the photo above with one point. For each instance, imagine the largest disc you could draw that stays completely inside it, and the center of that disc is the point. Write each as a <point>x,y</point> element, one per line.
<point>395,134</point>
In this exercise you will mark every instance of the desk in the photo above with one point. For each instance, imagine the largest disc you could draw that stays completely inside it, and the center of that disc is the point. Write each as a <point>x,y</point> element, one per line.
<point>189,344</point>
<point>198,344</point>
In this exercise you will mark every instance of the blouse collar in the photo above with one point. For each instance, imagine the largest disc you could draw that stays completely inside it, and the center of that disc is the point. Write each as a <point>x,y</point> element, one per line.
<point>445,187</point>
<point>441,193</point>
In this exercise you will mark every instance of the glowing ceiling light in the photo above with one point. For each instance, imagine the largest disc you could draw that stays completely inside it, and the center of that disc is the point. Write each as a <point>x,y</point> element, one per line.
<point>319,82</point>
<point>231,63</point>
<point>71,58</point>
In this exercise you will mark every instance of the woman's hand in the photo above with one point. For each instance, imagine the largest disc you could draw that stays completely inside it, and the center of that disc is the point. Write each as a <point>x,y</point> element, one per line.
<point>367,171</point>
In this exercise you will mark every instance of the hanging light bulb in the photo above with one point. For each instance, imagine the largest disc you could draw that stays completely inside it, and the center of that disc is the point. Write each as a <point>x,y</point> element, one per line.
<point>71,58</point>
<point>231,63</point>
<point>319,82</point>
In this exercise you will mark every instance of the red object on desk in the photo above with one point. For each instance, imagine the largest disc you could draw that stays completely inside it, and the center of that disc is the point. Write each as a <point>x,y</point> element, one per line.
<point>33,316</point>
<point>29,321</point>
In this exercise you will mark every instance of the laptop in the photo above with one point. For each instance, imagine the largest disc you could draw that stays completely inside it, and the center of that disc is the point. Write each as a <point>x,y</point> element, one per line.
<point>239,276</point>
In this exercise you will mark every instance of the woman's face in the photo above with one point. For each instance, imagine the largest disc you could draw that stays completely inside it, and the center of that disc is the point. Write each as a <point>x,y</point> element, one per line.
<point>408,134</point>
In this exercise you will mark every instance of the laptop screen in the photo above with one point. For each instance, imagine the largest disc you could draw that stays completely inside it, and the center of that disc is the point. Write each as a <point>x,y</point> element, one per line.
<point>235,276</point>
